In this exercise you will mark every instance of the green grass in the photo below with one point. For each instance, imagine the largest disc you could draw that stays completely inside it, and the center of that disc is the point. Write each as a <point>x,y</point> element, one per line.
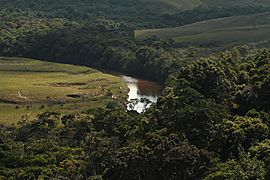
<point>29,87</point>
<point>218,32</point>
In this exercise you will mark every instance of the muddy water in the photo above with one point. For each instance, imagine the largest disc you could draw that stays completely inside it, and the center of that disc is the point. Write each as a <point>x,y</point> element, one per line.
<point>141,89</point>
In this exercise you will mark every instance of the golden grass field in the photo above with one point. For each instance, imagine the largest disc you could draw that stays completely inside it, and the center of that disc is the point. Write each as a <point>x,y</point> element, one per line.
<point>29,87</point>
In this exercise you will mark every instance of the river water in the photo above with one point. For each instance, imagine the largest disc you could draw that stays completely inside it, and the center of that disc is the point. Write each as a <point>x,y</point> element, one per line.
<point>141,93</point>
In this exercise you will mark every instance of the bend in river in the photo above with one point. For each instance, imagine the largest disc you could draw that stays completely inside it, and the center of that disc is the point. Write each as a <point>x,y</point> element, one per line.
<point>141,93</point>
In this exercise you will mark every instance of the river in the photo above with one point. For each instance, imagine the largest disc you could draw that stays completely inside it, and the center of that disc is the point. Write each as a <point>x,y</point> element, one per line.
<point>140,89</point>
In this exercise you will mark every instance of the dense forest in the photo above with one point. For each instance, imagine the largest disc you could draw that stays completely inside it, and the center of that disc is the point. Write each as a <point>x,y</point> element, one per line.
<point>101,43</point>
<point>76,32</point>
<point>141,13</point>
<point>211,122</point>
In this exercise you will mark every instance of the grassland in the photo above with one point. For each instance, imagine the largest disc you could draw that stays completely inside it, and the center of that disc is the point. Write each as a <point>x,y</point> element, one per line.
<point>218,32</point>
<point>29,87</point>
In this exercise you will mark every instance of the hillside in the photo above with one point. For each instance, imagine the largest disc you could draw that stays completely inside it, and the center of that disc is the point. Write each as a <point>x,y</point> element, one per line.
<point>218,32</point>
<point>29,87</point>
<point>140,12</point>
<point>235,2</point>
<point>107,7</point>
<point>171,6</point>
<point>180,5</point>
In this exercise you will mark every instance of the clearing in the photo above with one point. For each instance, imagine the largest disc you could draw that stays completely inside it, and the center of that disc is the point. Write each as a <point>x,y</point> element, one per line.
<point>29,87</point>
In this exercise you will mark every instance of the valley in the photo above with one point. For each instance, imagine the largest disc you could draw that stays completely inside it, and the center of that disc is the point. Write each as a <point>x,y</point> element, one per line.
<point>135,89</point>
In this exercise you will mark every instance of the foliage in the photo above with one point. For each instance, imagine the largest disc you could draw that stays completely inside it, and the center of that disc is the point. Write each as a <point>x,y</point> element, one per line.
<point>211,122</point>
<point>141,13</point>
<point>245,168</point>
<point>193,131</point>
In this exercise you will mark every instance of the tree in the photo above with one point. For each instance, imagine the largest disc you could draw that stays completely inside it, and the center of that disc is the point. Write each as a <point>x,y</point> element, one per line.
<point>261,151</point>
<point>245,168</point>
<point>185,111</point>
<point>159,156</point>
<point>210,78</point>
<point>239,134</point>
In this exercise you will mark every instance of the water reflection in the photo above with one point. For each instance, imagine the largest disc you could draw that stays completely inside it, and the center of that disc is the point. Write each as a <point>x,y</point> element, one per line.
<point>141,90</point>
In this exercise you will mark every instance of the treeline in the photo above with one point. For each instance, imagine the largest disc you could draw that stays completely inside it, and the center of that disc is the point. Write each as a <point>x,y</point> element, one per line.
<point>212,122</point>
<point>100,43</point>
<point>207,13</point>
<point>135,13</point>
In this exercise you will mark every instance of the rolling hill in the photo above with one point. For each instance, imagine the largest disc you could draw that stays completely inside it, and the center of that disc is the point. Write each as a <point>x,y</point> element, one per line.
<point>29,87</point>
<point>218,32</point>
<point>118,7</point>
<point>173,6</point>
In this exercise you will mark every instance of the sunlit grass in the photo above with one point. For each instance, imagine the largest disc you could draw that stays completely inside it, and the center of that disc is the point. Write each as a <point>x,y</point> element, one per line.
<point>28,87</point>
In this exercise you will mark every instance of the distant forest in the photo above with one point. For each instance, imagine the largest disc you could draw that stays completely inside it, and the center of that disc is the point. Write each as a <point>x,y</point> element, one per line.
<point>136,13</point>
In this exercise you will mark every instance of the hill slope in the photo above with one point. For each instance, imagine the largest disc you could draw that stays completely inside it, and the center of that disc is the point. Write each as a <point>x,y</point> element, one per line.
<point>171,6</point>
<point>139,13</point>
<point>29,87</point>
<point>232,3</point>
<point>119,7</point>
<point>218,32</point>
<point>180,5</point>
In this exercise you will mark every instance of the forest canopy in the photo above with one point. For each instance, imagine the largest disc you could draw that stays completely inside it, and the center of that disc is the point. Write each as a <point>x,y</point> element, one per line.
<point>209,120</point>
